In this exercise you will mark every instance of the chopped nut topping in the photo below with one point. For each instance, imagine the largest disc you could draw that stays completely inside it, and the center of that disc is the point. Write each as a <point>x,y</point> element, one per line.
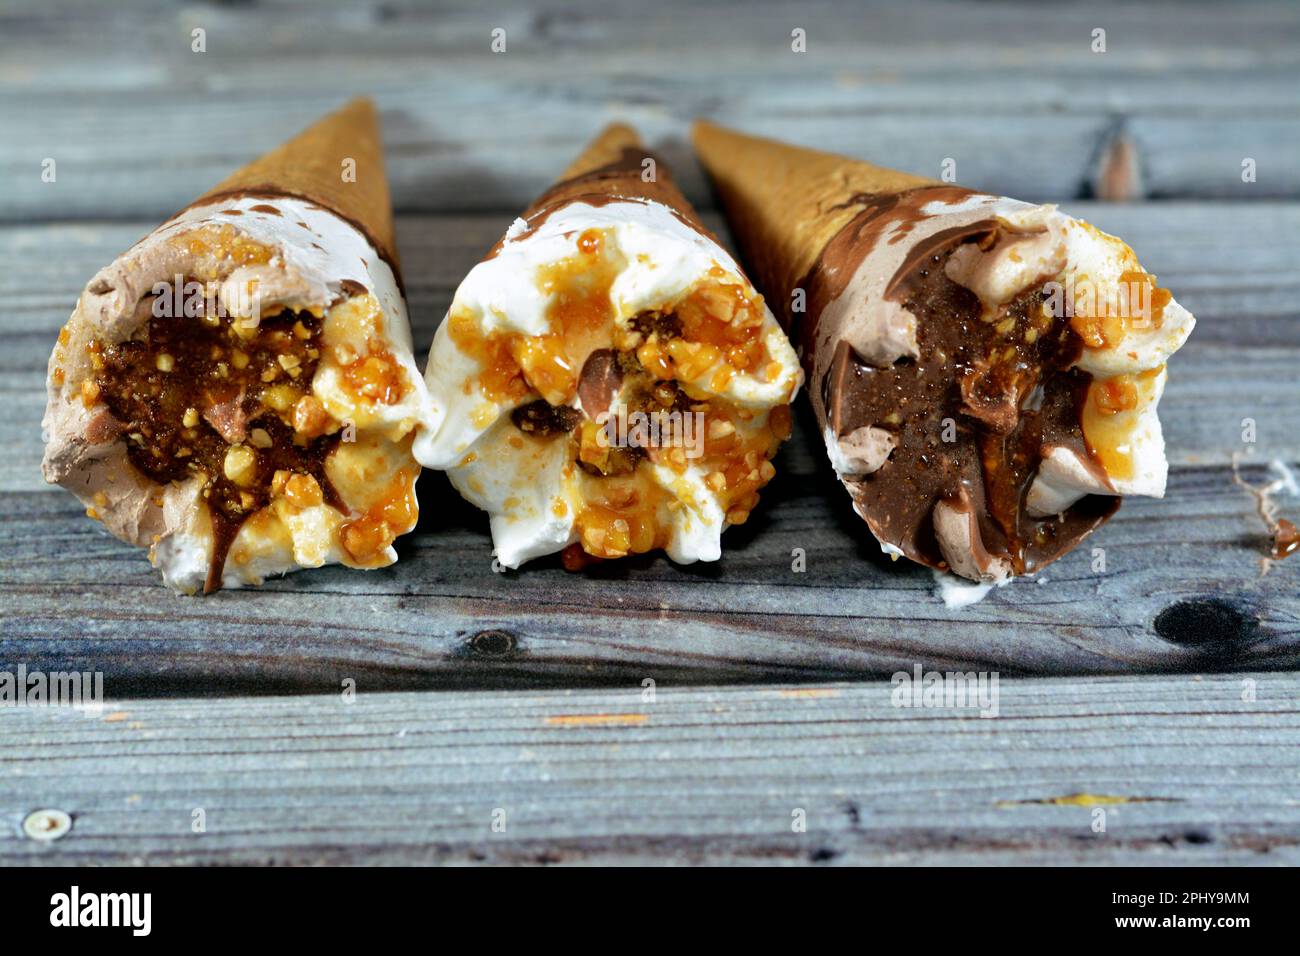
<point>310,418</point>
<point>240,465</point>
<point>303,491</point>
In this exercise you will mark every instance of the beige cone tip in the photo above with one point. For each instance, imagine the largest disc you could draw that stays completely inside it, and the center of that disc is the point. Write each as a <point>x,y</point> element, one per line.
<point>784,203</point>
<point>338,163</point>
<point>606,148</point>
<point>612,166</point>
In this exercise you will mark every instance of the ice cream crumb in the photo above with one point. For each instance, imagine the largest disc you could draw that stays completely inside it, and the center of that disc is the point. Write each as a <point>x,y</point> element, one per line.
<point>1286,477</point>
<point>957,592</point>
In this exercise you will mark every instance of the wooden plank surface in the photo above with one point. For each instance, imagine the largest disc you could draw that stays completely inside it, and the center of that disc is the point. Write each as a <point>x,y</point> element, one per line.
<point>1191,767</point>
<point>1014,93</point>
<point>443,617</point>
<point>1177,770</point>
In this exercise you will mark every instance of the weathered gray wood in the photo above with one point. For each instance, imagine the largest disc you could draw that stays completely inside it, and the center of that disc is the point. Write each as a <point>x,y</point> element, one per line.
<point>138,124</point>
<point>77,598</point>
<point>504,147</point>
<point>1185,770</point>
<point>147,44</point>
<point>747,618</point>
<point>1014,94</point>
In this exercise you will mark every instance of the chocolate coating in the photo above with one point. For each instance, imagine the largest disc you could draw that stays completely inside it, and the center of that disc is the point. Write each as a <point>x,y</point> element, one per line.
<point>150,403</point>
<point>971,415</point>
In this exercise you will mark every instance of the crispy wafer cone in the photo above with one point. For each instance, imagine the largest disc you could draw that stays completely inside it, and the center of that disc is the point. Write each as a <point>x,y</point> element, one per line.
<point>606,149</point>
<point>784,203</point>
<point>613,165</point>
<point>312,166</point>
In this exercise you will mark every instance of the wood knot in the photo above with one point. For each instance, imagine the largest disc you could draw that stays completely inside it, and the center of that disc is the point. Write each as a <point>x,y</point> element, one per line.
<point>492,643</point>
<point>1213,626</point>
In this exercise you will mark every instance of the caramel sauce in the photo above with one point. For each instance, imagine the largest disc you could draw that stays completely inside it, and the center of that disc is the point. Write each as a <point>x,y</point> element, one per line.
<point>367,535</point>
<point>370,372</point>
<point>1108,426</point>
<point>500,378</point>
<point>579,317</point>
<point>1135,302</point>
<point>1286,539</point>
<point>1025,348</point>
<point>723,316</point>
<point>376,377</point>
<point>631,528</point>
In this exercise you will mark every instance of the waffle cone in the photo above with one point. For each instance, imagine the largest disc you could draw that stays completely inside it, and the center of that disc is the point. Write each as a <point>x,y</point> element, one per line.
<point>612,166</point>
<point>311,166</point>
<point>785,203</point>
<point>606,149</point>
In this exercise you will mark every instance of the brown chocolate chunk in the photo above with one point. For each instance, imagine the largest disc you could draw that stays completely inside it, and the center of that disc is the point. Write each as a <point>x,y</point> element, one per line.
<point>599,382</point>
<point>228,415</point>
<point>544,420</point>
<point>351,288</point>
<point>996,405</point>
<point>103,428</point>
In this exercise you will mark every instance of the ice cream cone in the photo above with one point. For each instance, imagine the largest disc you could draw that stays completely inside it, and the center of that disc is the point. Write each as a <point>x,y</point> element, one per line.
<point>785,203</point>
<point>606,149</point>
<point>917,303</point>
<point>289,264</point>
<point>614,165</point>
<point>337,163</point>
<point>605,296</point>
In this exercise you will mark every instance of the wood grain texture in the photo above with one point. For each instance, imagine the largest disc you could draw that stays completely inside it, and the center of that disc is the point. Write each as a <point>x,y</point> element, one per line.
<point>1183,771</point>
<point>1013,93</point>
<point>1190,768</point>
<point>75,597</point>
